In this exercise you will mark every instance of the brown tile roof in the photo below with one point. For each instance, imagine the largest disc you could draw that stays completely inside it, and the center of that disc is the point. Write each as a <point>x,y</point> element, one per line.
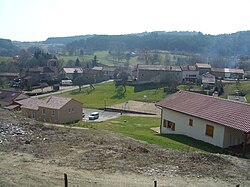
<point>8,95</point>
<point>51,102</point>
<point>158,67</point>
<point>228,113</point>
<point>55,102</point>
<point>188,68</point>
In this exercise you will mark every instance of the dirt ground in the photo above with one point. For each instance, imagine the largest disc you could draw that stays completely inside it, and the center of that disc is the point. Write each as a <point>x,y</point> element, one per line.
<point>32,154</point>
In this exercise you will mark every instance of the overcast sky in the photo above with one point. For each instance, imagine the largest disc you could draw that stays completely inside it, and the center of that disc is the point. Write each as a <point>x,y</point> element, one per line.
<point>36,20</point>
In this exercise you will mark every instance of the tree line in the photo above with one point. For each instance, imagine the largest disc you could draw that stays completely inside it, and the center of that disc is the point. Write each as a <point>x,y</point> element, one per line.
<point>211,45</point>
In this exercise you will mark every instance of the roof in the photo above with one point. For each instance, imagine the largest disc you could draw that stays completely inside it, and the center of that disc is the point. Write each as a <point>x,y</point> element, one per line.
<point>188,68</point>
<point>224,112</point>
<point>238,71</point>
<point>97,68</point>
<point>228,70</point>
<point>158,67</point>
<point>72,70</point>
<point>52,102</point>
<point>200,65</point>
<point>9,95</point>
<point>40,70</point>
<point>7,74</point>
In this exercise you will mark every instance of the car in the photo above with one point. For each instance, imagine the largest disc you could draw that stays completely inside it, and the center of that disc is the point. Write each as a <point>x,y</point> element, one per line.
<point>94,115</point>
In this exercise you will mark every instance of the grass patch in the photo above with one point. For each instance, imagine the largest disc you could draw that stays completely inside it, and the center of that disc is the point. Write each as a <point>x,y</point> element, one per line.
<point>107,93</point>
<point>139,128</point>
<point>230,88</point>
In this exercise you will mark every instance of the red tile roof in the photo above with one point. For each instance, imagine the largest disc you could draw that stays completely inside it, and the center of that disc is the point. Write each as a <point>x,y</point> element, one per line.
<point>228,113</point>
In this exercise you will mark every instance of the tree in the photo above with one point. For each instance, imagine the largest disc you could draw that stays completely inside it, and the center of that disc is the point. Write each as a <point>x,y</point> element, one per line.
<point>121,80</point>
<point>77,64</point>
<point>75,75</point>
<point>84,79</point>
<point>94,61</point>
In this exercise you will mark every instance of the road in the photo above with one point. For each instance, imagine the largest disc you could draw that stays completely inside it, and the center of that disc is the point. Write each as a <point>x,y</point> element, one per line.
<point>66,90</point>
<point>103,115</point>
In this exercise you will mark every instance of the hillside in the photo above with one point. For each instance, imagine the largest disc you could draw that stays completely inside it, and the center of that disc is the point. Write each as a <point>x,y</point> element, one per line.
<point>100,158</point>
<point>7,48</point>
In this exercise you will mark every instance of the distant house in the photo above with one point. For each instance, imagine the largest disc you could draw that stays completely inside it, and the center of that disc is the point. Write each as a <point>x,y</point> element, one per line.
<point>208,81</point>
<point>213,120</point>
<point>228,73</point>
<point>203,68</point>
<point>158,73</point>
<point>33,76</point>
<point>7,97</point>
<point>190,74</point>
<point>52,109</point>
<point>69,72</point>
<point>108,72</point>
<point>9,76</point>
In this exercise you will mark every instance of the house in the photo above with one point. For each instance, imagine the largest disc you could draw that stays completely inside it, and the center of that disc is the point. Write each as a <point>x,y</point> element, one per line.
<point>52,109</point>
<point>33,76</point>
<point>208,81</point>
<point>228,73</point>
<point>69,72</point>
<point>9,76</point>
<point>210,119</point>
<point>108,72</point>
<point>190,74</point>
<point>158,73</point>
<point>7,97</point>
<point>203,68</point>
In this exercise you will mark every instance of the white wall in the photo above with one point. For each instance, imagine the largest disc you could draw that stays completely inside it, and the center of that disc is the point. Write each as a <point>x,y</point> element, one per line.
<point>196,131</point>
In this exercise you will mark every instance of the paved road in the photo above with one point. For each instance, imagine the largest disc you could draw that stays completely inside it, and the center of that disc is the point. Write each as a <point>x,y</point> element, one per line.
<point>103,115</point>
<point>73,88</point>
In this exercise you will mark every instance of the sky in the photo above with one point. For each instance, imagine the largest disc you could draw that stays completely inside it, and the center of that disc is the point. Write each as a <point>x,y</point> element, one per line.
<point>36,20</point>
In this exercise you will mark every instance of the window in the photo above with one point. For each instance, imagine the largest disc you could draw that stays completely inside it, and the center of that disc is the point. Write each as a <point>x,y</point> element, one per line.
<point>69,110</point>
<point>210,130</point>
<point>43,111</point>
<point>53,113</point>
<point>191,122</point>
<point>164,123</point>
<point>72,110</point>
<point>171,125</point>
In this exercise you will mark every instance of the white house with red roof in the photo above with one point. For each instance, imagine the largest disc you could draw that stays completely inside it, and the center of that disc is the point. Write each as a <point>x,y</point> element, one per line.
<point>213,120</point>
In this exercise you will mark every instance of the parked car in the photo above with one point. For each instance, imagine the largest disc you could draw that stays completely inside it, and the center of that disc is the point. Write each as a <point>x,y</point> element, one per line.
<point>94,115</point>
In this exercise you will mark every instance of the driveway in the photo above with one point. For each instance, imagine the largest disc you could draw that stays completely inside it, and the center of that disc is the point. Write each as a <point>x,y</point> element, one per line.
<point>103,115</point>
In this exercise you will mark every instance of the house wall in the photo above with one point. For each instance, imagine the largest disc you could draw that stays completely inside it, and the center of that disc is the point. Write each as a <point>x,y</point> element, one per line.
<point>203,70</point>
<point>196,131</point>
<point>189,75</point>
<point>159,76</point>
<point>29,113</point>
<point>65,116</point>
<point>233,137</point>
<point>48,115</point>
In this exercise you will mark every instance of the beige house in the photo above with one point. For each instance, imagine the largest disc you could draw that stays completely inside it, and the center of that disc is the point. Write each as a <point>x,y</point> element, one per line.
<point>213,120</point>
<point>52,109</point>
<point>228,73</point>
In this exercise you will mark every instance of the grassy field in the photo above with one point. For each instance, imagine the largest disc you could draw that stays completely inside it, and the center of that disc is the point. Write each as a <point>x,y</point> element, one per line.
<point>229,89</point>
<point>102,57</point>
<point>107,93</point>
<point>4,58</point>
<point>139,128</point>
